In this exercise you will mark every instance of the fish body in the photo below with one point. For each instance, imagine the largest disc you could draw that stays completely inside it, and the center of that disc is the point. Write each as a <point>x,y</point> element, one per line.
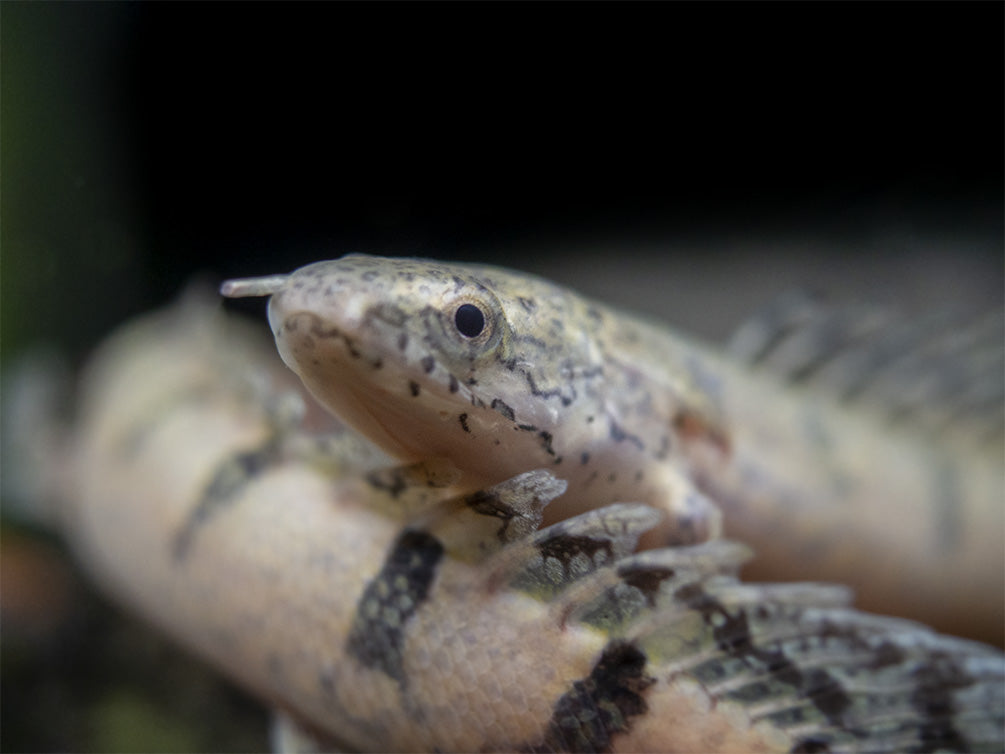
<point>381,610</point>
<point>502,372</point>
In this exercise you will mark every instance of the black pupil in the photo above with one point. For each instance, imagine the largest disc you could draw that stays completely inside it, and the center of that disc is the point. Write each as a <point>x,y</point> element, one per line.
<point>469,320</point>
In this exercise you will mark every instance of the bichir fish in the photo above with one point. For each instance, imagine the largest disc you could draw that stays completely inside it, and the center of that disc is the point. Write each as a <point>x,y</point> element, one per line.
<point>382,606</point>
<point>502,373</point>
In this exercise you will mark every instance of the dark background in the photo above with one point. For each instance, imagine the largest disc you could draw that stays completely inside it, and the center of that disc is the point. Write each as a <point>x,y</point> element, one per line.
<point>610,145</point>
<point>689,160</point>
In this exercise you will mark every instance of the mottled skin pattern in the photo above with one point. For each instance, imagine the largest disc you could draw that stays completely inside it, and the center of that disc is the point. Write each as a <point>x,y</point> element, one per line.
<point>378,343</point>
<point>382,612</point>
<point>502,372</point>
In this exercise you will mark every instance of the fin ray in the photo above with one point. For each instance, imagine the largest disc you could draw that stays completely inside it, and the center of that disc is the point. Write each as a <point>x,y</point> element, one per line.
<point>937,370</point>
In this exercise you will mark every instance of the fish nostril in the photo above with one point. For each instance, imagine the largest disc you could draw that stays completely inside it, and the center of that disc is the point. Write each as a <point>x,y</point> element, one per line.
<point>249,287</point>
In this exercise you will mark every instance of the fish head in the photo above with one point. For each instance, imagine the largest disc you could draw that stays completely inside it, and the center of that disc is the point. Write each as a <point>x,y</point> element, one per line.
<point>430,359</point>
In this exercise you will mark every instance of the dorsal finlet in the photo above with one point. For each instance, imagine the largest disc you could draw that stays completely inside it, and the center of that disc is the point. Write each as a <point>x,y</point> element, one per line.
<point>249,287</point>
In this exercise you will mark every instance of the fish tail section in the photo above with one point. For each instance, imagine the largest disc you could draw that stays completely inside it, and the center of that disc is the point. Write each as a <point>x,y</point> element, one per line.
<point>697,660</point>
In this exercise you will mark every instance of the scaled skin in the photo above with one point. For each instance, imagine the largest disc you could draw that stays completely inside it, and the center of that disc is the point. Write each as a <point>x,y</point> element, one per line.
<point>625,411</point>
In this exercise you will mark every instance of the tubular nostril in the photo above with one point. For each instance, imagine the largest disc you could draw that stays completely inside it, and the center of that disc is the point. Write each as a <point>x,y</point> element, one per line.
<point>249,287</point>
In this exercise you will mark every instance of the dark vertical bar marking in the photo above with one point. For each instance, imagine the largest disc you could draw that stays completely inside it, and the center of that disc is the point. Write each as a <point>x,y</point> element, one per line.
<point>389,601</point>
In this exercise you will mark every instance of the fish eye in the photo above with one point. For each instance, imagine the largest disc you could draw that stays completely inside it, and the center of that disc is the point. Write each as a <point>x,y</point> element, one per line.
<point>470,320</point>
